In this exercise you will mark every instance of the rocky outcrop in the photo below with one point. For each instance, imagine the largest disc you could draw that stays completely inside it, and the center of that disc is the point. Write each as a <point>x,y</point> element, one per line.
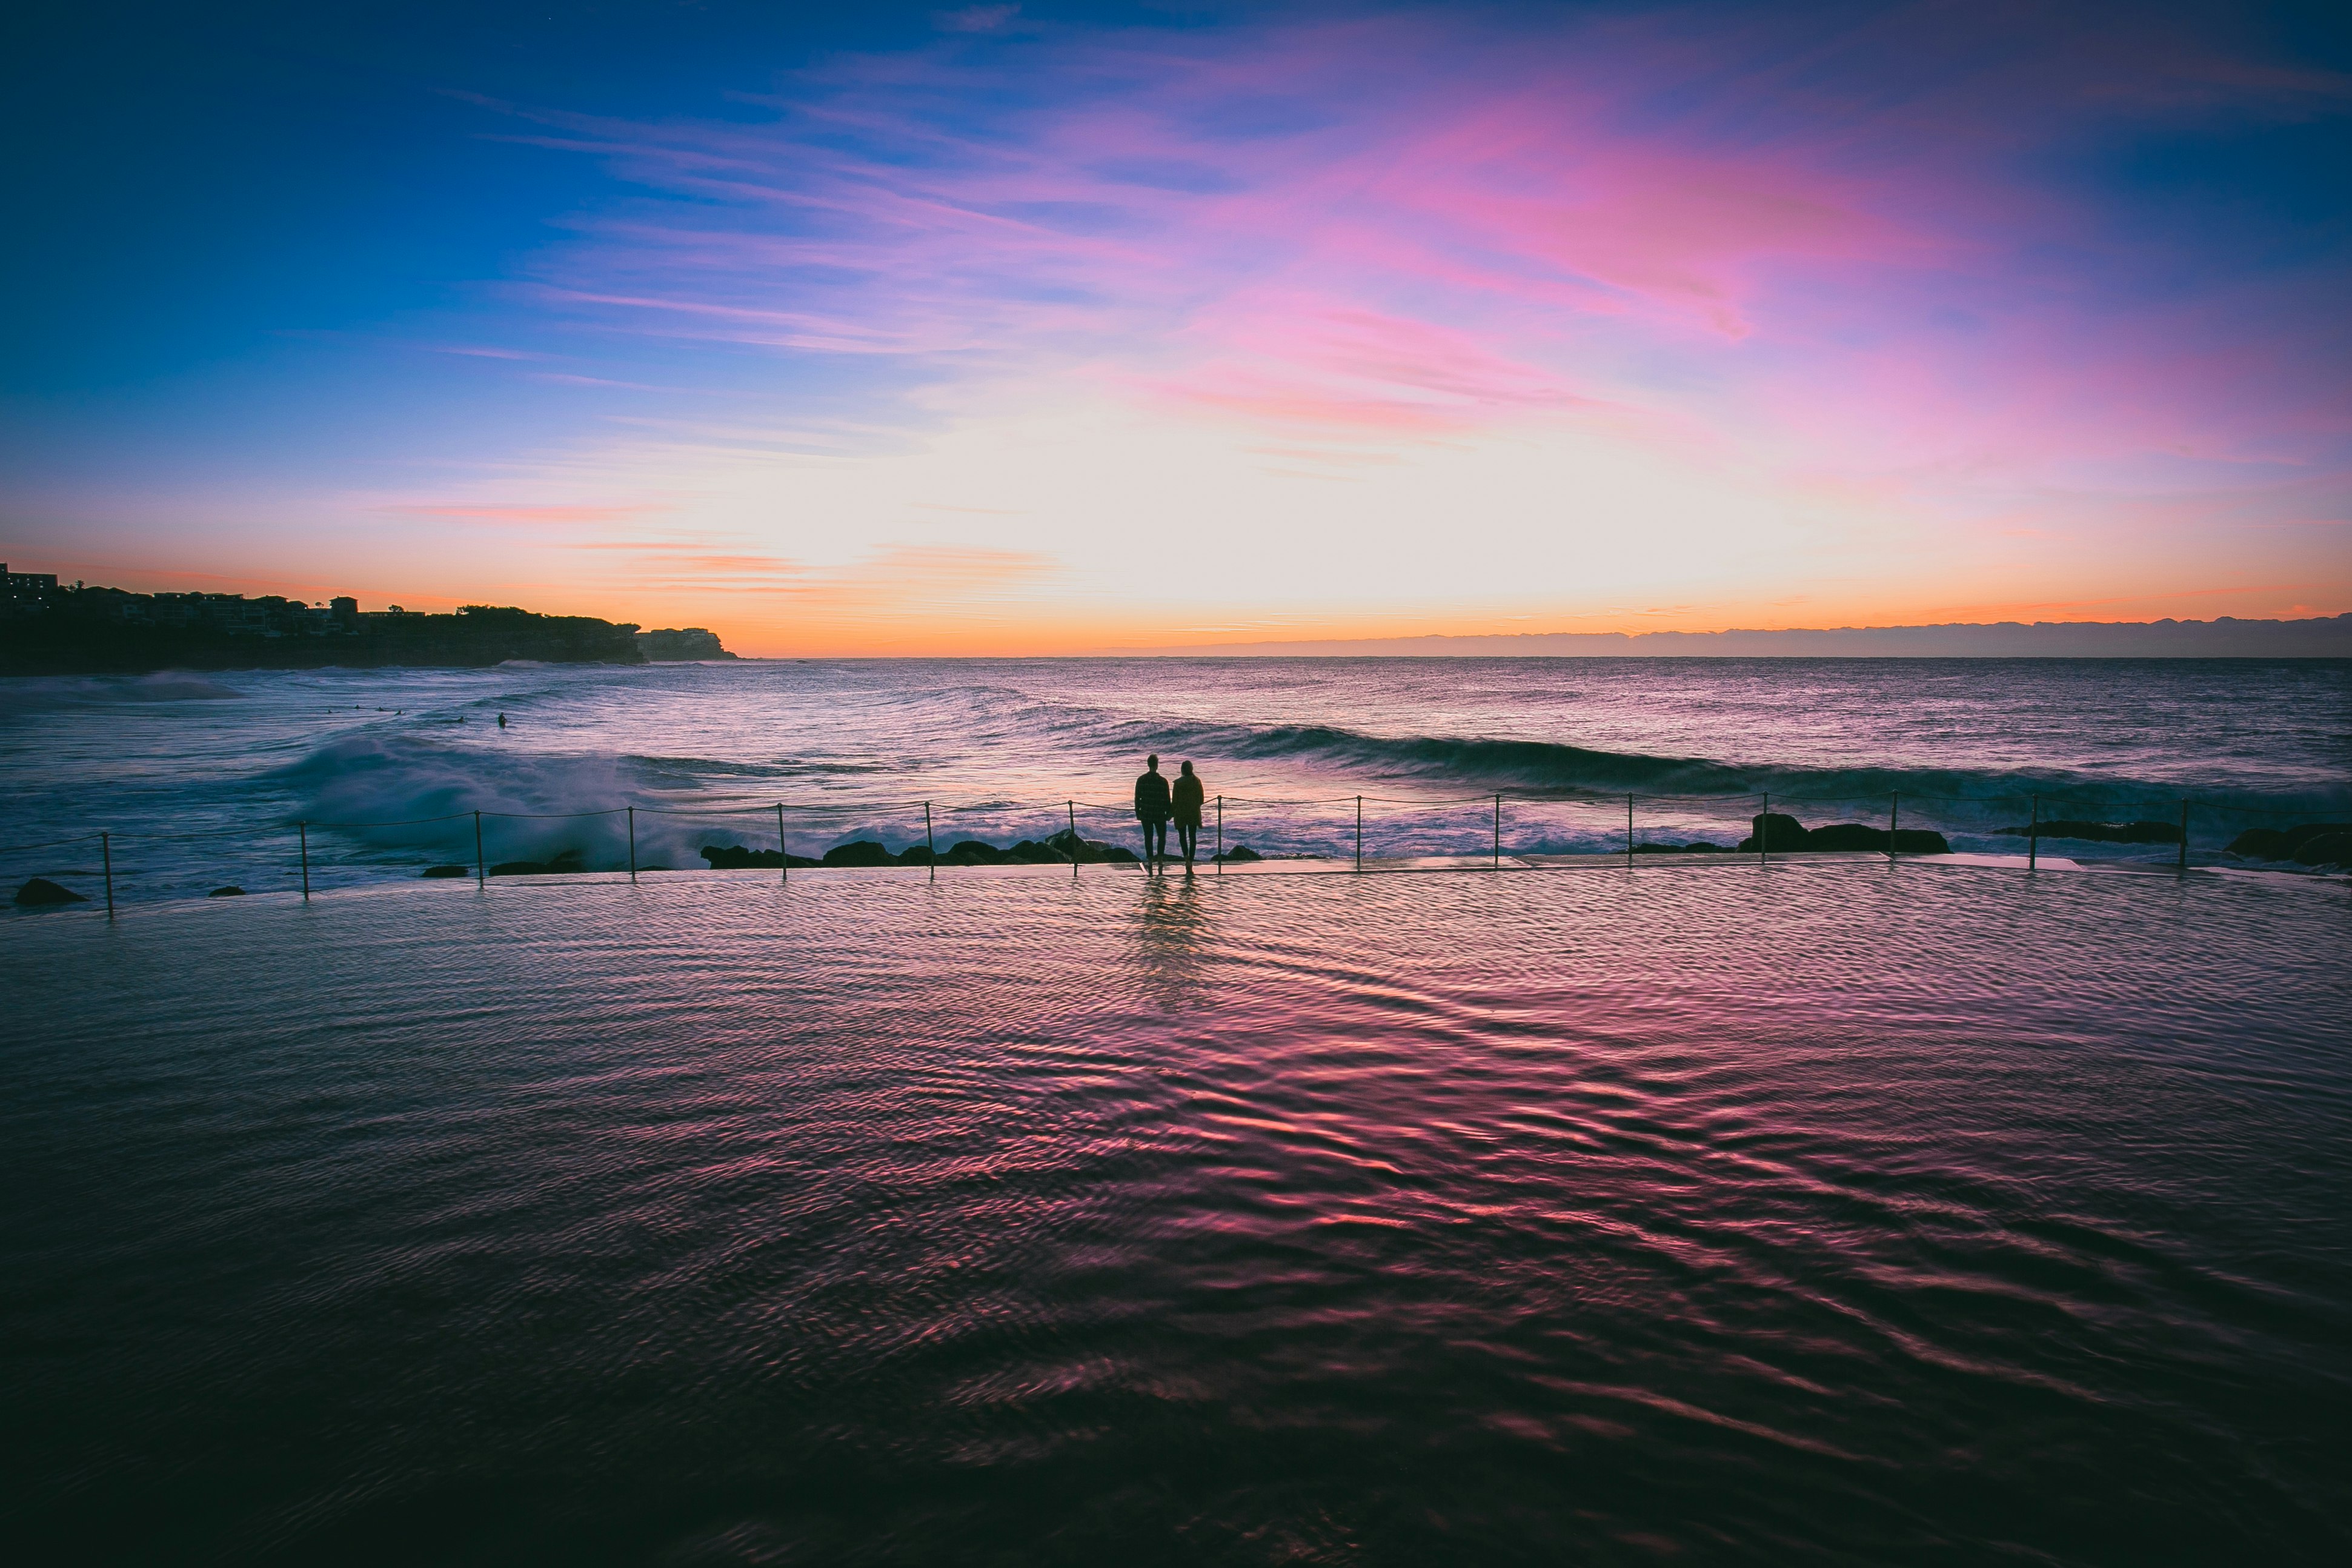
<point>39,892</point>
<point>2098,832</point>
<point>1787,834</point>
<point>670,645</point>
<point>1774,831</point>
<point>231,892</point>
<point>734,858</point>
<point>448,871</point>
<point>2313,844</point>
<point>561,865</point>
<point>1060,849</point>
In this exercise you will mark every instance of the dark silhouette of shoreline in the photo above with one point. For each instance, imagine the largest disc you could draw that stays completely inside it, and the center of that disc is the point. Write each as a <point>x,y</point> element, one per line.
<point>48,628</point>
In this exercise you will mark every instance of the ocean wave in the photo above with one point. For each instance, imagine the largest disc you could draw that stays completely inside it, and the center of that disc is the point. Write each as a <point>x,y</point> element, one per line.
<point>38,693</point>
<point>1546,766</point>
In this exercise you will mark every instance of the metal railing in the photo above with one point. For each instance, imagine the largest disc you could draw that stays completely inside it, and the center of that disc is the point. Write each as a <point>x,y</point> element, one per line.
<point>1350,810</point>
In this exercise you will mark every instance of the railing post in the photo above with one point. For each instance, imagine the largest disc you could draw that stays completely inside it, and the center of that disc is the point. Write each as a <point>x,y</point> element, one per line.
<point>2184,835</point>
<point>1629,831</point>
<point>783,853</point>
<point>106,856</point>
<point>632,844</point>
<point>1764,827</point>
<point>304,829</point>
<point>1894,815</point>
<point>931,844</point>
<point>1074,835</point>
<point>480,875</point>
<point>1360,833</point>
<point>1499,830</point>
<point>2033,835</point>
<point>1220,836</point>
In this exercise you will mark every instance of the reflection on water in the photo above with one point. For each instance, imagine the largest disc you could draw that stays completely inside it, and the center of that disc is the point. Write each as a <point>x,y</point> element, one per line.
<point>1174,933</point>
<point>1826,1213</point>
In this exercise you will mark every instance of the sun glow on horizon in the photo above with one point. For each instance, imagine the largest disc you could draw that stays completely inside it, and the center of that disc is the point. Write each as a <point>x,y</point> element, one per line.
<point>1041,337</point>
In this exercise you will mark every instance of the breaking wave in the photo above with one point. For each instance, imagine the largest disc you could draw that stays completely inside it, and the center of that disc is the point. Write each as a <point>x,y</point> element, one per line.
<point>1544,766</point>
<point>39,693</point>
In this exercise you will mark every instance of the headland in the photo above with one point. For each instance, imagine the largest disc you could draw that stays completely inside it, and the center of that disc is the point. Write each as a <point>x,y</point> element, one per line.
<point>50,628</point>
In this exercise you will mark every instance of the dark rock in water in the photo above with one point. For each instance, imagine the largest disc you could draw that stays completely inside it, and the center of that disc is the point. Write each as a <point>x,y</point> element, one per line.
<point>231,892</point>
<point>863,852</point>
<point>1777,830</point>
<point>1238,853</point>
<point>448,871</point>
<point>2287,843</point>
<point>734,858</point>
<point>973,852</point>
<point>1862,836</point>
<point>2326,849</point>
<point>1788,833</point>
<point>1029,852</point>
<point>1089,851</point>
<point>2099,832</point>
<point>40,892</point>
<point>916,855</point>
<point>561,865</point>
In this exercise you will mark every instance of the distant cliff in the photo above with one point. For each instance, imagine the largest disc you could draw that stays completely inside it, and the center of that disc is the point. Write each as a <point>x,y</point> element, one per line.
<point>690,643</point>
<point>50,630</point>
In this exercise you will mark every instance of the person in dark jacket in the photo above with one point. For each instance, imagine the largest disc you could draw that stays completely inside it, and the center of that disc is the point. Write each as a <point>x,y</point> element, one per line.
<point>1189,798</point>
<point>1151,810</point>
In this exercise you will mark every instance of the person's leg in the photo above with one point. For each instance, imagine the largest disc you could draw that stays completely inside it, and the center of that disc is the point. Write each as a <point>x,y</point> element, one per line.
<point>1159,841</point>
<point>1188,839</point>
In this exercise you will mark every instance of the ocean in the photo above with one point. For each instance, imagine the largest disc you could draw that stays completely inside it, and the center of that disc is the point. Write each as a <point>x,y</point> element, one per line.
<point>1829,1209</point>
<point>200,780</point>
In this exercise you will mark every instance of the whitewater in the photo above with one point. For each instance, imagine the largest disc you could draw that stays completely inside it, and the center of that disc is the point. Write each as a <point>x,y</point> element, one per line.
<point>200,780</point>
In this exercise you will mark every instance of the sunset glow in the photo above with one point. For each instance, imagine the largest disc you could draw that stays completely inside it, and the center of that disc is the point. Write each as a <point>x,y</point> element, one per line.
<point>1000,331</point>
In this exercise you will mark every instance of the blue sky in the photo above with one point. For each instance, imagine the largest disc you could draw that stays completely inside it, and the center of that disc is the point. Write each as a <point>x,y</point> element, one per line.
<point>1035,327</point>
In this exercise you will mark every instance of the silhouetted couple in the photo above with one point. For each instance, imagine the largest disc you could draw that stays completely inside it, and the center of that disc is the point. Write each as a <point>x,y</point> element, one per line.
<point>1155,803</point>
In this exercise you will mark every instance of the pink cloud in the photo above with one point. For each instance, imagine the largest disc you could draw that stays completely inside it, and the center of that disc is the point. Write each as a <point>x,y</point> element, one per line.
<point>1409,226</point>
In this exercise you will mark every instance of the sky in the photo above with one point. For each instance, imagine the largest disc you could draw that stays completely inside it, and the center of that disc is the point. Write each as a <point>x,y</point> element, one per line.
<point>1034,328</point>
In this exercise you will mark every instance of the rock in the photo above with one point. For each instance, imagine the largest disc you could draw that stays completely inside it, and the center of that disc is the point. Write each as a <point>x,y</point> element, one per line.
<point>1090,851</point>
<point>1032,853</point>
<point>2099,832</point>
<point>2284,844</point>
<point>448,871</point>
<point>1239,853</point>
<point>1778,832</point>
<point>916,855</point>
<point>734,858</point>
<point>231,892</point>
<point>561,865</point>
<point>863,852</point>
<point>2325,849</point>
<point>40,892</point>
<point>1862,836</point>
<point>973,852</point>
